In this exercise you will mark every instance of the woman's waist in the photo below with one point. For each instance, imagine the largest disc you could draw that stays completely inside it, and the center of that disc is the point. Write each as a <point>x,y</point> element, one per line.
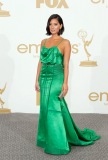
<point>52,64</point>
<point>52,69</point>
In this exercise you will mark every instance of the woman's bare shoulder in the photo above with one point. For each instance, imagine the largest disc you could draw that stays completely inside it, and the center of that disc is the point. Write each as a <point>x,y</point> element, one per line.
<point>66,42</point>
<point>43,41</point>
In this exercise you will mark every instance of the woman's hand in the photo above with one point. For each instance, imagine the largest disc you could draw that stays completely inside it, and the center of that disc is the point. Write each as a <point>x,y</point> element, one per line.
<point>65,88</point>
<point>37,88</point>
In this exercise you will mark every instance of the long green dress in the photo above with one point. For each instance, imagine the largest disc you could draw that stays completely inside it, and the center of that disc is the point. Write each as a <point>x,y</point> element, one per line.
<point>56,129</point>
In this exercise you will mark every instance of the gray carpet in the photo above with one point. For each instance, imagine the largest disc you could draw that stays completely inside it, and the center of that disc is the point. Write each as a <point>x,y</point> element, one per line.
<point>18,132</point>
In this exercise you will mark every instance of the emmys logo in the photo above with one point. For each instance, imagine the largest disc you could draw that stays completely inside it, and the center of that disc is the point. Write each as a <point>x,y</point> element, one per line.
<point>86,63</point>
<point>102,96</point>
<point>1,101</point>
<point>2,109</point>
<point>100,2</point>
<point>55,3</point>
<point>23,48</point>
<point>35,48</point>
<point>3,13</point>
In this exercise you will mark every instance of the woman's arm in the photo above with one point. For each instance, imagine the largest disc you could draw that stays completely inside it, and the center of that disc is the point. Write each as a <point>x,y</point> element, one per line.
<point>38,72</point>
<point>67,53</point>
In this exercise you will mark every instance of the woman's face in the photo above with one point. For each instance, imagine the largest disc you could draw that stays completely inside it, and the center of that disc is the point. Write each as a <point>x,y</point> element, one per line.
<point>54,26</point>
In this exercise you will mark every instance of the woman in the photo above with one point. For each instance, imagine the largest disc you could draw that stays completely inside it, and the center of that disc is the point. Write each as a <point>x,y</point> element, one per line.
<point>56,129</point>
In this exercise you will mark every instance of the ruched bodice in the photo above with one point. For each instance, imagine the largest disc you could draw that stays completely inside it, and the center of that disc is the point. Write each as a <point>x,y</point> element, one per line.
<point>51,55</point>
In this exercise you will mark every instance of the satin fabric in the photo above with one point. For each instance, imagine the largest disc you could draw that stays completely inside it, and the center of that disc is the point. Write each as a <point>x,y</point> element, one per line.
<point>57,131</point>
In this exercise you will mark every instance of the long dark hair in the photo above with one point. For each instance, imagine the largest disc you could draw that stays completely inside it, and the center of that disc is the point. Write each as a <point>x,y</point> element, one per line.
<point>53,16</point>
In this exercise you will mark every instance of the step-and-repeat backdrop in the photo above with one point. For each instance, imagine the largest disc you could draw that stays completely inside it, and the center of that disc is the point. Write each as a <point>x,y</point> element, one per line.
<point>23,26</point>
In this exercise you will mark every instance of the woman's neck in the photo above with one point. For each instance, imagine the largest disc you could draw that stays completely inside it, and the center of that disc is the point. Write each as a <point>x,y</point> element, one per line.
<point>55,37</point>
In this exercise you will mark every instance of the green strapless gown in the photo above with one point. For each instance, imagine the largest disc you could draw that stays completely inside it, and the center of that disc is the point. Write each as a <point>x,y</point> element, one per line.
<point>56,129</point>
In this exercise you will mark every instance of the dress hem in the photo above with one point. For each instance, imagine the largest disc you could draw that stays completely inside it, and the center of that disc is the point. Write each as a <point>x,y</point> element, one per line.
<point>52,150</point>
